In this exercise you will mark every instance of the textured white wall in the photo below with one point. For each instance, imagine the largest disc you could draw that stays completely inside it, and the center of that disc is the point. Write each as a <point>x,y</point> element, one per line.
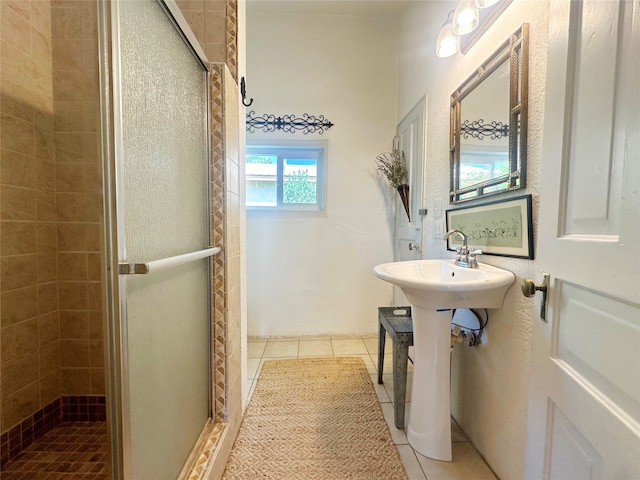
<point>489,382</point>
<point>311,276</point>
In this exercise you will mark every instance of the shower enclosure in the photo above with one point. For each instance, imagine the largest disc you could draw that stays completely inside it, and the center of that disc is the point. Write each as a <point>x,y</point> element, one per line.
<point>104,171</point>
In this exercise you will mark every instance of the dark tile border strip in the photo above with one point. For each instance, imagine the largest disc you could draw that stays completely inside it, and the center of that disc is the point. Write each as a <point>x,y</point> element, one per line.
<point>85,408</point>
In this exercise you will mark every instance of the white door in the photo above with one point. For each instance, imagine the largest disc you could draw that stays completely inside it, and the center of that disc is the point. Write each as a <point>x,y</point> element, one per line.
<point>410,134</point>
<point>584,410</point>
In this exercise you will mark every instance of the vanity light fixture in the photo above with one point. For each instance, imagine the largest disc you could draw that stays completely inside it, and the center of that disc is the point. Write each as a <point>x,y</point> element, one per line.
<point>465,17</point>
<point>447,43</point>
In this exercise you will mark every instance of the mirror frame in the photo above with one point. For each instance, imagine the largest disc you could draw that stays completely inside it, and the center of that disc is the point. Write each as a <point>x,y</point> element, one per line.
<point>515,50</point>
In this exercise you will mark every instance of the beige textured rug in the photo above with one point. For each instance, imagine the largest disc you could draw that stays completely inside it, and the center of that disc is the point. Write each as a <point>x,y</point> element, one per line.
<point>314,418</point>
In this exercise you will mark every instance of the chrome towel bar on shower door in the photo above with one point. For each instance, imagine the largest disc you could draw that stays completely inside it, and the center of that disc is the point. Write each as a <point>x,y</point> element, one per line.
<point>155,265</point>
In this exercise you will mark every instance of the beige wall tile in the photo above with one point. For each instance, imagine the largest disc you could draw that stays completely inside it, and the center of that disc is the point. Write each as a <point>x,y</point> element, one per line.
<point>68,116</point>
<point>97,381</point>
<point>91,147</point>
<point>94,207</point>
<point>94,237</point>
<point>92,178</point>
<point>71,207</point>
<point>47,237</point>
<point>215,27</point>
<point>20,371</point>
<point>16,134</point>
<point>16,29</point>
<point>13,101</point>
<point>18,271</point>
<point>47,298</point>
<point>66,23</point>
<point>67,85</point>
<point>47,267</point>
<point>17,69</point>
<point>17,238</point>
<point>74,324</point>
<point>46,207</point>
<point>96,352</point>
<point>18,339</point>
<point>94,296</point>
<point>94,267</point>
<point>48,328</point>
<point>67,55</point>
<point>44,141</point>
<point>72,237</point>
<point>74,353</point>
<point>18,203</point>
<point>72,266</point>
<point>216,52</point>
<point>18,305</point>
<point>96,322</point>
<point>69,147</point>
<point>17,169</point>
<point>72,295</point>
<point>50,358</point>
<point>45,175</point>
<point>50,388</point>
<point>20,404</point>
<point>76,381</point>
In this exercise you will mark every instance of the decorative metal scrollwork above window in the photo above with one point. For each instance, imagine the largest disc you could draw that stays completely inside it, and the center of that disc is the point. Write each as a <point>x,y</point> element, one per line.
<point>288,123</point>
<point>480,130</point>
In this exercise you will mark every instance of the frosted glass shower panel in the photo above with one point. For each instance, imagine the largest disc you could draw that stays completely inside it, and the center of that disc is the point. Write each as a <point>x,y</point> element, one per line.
<point>162,211</point>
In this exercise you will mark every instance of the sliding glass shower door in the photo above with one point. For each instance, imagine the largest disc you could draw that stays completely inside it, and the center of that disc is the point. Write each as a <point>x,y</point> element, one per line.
<point>160,169</point>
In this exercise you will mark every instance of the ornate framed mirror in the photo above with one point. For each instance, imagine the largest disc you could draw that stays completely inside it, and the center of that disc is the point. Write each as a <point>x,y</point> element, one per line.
<point>488,131</point>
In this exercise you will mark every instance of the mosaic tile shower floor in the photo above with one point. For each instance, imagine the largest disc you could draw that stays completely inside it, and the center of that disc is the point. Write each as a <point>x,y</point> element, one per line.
<point>72,451</point>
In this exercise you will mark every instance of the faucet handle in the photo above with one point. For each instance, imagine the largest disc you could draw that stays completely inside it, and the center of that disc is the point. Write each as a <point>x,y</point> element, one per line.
<point>473,262</point>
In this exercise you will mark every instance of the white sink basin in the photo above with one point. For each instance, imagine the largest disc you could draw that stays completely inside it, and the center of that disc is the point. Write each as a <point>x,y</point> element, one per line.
<point>434,288</point>
<point>442,284</point>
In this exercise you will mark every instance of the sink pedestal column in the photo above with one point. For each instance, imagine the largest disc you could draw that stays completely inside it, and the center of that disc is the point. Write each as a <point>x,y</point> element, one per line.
<point>429,429</point>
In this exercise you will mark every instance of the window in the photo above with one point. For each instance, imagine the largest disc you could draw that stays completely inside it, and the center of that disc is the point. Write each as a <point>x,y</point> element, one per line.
<point>285,176</point>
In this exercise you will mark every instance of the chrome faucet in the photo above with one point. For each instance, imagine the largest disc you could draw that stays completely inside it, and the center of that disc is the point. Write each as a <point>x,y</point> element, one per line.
<point>465,257</point>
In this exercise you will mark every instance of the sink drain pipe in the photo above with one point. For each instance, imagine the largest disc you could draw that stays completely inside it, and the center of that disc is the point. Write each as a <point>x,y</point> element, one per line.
<point>471,336</point>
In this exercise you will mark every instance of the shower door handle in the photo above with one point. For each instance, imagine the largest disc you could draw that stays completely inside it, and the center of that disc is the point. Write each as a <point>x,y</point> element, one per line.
<point>155,265</point>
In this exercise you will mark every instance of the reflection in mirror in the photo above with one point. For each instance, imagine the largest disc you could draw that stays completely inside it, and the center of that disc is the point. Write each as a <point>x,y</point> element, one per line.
<point>489,124</point>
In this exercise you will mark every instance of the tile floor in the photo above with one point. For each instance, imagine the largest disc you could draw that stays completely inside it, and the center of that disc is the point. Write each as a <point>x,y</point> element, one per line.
<point>72,451</point>
<point>467,463</point>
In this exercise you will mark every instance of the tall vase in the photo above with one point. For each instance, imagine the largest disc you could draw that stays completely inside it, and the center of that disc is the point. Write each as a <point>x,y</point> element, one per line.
<point>403,190</point>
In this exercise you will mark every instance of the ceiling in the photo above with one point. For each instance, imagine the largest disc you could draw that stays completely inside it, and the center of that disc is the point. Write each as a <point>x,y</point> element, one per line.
<point>361,8</point>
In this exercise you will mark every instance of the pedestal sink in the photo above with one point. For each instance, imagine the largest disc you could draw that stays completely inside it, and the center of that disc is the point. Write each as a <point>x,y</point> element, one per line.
<point>434,287</point>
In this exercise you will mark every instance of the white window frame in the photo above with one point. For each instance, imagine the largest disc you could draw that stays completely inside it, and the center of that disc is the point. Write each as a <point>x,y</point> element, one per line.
<point>303,148</point>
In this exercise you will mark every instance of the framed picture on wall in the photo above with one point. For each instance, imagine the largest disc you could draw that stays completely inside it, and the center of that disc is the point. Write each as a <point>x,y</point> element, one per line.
<point>503,227</point>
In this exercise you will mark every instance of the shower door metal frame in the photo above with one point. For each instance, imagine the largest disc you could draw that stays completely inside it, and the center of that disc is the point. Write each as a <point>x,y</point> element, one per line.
<point>115,326</point>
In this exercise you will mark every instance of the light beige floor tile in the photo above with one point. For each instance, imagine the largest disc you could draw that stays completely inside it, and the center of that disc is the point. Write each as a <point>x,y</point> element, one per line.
<point>281,348</point>
<point>371,344</point>
<point>380,390</point>
<point>410,462</point>
<point>255,349</point>
<point>399,436</point>
<point>315,348</point>
<point>252,367</point>
<point>388,385</point>
<point>349,346</point>
<point>467,463</point>
<point>371,368</point>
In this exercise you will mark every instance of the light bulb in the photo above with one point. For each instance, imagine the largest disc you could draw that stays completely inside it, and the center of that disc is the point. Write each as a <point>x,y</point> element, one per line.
<point>465,17</point>
<point>447,43</point>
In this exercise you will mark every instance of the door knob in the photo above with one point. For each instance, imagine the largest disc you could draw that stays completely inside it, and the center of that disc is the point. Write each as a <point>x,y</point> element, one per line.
<point>529,289</point>
<point>414,246</point>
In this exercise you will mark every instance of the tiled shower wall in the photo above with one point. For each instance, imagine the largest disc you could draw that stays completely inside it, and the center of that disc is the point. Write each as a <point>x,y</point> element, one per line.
<point>214,23</point>
<point>78,196</point>
<point>29,334</point>
<point>50,197</point>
